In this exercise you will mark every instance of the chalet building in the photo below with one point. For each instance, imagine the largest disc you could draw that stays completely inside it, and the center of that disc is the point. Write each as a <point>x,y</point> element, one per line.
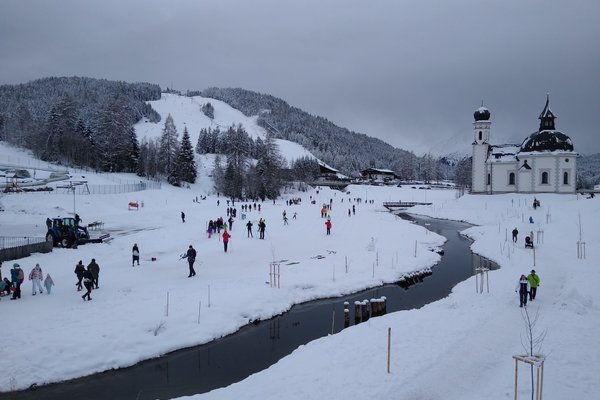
<point>377,174</point>
<point>545,162</point>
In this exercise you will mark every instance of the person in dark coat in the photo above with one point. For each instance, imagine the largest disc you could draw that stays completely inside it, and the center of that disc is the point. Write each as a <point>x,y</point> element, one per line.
<point>523,289</point>
<point>79,270</point>
<point>230,220</point>
<point>17,276</point>
<point>261,228</point>
<point>515,232</point>
<point>48,223</point>
<point>94,268</point>
<point>182,216</point>
<point>88,282</point>
<point>135,254</point>
<point>249,226</point>
<point>191,257</point>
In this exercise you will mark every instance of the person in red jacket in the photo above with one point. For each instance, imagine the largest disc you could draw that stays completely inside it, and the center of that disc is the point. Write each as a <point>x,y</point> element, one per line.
<point>226,237</point>
<point>328,226</point>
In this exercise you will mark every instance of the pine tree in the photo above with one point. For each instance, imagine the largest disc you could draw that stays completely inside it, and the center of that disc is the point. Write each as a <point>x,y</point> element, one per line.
<point>169,147</point>
<point>268,166</point>
<point>185,168</point>
<point>237,151</point>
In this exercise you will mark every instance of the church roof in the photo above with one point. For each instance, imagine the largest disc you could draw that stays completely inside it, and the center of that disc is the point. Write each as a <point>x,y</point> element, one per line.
<point>547,141</point>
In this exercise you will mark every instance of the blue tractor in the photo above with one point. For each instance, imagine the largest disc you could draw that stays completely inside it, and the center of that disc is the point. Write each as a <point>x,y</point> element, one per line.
<point>66,232</point>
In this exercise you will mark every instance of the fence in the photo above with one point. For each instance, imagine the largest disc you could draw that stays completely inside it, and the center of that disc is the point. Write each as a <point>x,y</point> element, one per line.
<point>12,248</point>
<point>109,189</point>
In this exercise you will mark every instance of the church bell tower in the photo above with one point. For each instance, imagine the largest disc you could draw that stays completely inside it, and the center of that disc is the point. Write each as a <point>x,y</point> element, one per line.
<point>480,179</point>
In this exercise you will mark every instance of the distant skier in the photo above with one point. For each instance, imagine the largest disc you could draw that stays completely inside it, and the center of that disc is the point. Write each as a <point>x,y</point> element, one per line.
<point>261,228</point>
<point>135,255</point>
<point>515,232</point>
<point>523,289</point>
<point>328,226</point>
<point>226,237</point>
<point>191,258</point>
<point>249,226</point>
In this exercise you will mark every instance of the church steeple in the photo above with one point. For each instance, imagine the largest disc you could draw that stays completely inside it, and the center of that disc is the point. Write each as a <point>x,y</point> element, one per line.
<point>547,117</point>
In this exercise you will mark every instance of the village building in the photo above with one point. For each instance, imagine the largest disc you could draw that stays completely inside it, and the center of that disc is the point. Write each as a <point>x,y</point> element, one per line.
<point>378,175</point>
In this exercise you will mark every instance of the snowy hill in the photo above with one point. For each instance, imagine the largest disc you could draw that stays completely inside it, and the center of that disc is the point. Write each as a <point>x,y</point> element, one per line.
<point>187,112</point>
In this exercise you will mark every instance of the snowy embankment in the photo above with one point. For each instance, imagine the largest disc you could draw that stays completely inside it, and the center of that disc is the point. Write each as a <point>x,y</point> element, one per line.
<point>462,347</point>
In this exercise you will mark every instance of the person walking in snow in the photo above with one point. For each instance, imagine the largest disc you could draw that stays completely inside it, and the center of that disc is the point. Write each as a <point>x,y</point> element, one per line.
<point>48,283</point>
<point>88,282</point>
<point>230,222</point>
<point>261,228</point>
<point>515,232</point>
<point>18,276</point>
<point>523,289</point>
<point>328,226</point>
<point>249,226</point>
<point>353,210</point>
<point>135,254</point>
<point>36,276</point>
<point>226,237</point>
<point>191,258</point>
<point>79,270</point>
<point>210,229</point>
<point>534,283</point>
<point>94,268</point>
<point>182,216</point>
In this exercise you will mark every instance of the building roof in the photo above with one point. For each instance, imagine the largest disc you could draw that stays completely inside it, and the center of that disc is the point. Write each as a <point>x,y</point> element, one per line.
<point>378,171</point>
<point>547,141</point>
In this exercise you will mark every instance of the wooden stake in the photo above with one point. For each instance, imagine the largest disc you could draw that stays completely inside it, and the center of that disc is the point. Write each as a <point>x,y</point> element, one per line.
<point>208,296</point>
<point>199,306</point>
<point>167,313</point>
<point>333,322</point>
<point>389,348</point>
<point>516,376</point>
<point>415,249</point>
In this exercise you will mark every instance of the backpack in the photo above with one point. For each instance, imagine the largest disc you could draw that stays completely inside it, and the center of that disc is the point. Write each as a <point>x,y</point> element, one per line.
<point>21,275</point>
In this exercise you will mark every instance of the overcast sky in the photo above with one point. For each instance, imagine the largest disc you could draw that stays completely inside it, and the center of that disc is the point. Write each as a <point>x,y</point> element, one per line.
<point>408,72</point>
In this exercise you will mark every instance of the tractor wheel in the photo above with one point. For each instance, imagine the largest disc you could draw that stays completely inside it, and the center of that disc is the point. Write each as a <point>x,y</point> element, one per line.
<point>50,238</point>
<point>66,242</point>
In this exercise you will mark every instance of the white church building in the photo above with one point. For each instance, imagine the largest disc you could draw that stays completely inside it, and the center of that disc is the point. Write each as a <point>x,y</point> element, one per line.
<point>544,163</point>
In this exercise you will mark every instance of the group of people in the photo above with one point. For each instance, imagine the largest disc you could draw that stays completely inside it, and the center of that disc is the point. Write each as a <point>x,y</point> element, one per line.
<point>88,276</point>
<point>17,277</point>
<point>527,287</point>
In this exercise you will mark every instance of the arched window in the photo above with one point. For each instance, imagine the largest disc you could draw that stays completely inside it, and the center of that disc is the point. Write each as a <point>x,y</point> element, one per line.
<point>565,178</point>
<point>489,180</point>
<point>511,178</point>
<point>480,135</point>
<point>544,178</point>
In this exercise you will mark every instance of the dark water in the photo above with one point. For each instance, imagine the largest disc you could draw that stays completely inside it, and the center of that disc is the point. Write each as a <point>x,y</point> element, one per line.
<point>256,347</point>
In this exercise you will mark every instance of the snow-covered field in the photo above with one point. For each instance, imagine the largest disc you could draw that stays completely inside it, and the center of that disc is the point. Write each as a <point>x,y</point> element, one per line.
<point>457,348</point>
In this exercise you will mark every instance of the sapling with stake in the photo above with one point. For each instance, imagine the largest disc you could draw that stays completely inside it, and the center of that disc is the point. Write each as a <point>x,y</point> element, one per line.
<point>531,341</point>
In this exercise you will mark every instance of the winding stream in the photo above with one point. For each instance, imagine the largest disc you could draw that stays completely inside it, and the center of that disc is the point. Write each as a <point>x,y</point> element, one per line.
<point>256,347</point>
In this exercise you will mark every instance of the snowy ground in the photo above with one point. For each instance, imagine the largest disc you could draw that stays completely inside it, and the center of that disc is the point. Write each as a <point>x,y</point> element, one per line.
<point>462,347</point>
<point>68,337</point>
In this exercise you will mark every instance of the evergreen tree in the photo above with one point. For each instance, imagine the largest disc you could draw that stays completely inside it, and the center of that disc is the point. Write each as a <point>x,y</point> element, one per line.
<point>208,110</point>
<point>169,147</point>
<point>237,151</point>
<point>268,167</point>
<point>185,168</point>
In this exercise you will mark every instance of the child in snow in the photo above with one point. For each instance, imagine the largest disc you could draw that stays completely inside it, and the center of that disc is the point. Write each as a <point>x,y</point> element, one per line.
<point>48,283</point>
<point>36,276</point>
<point>226,237</point>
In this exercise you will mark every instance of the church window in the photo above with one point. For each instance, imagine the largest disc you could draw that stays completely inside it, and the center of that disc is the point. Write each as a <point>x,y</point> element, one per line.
<point>565,178</point>
<point>511,178</point>
<point>489,179</point>
<point>544,178</point>
<point>480,135</point>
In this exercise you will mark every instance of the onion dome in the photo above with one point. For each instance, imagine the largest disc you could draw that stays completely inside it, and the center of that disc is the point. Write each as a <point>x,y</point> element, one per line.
<point>547,141</point>
<point>482,114</point>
